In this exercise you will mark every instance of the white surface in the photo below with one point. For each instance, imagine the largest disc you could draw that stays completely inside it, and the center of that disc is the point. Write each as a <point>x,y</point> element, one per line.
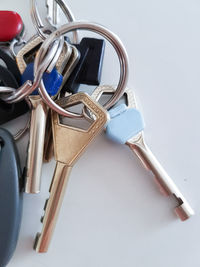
<point>113,213</point>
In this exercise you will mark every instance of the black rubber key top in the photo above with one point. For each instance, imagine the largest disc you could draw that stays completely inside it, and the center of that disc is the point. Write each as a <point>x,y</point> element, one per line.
<point>89,68</point>
<point>9,77</point>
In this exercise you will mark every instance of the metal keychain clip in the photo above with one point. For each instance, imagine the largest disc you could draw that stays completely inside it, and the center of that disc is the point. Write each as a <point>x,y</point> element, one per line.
<point>39,26</point>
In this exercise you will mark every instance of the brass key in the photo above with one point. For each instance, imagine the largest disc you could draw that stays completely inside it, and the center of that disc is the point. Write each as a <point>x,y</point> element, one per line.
<point>66,71</point>
<point>69,145</point>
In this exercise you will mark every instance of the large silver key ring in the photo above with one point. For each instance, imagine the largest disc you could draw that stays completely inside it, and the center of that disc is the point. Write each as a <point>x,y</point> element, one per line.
<point>39,26</point>
<point>115,42</point>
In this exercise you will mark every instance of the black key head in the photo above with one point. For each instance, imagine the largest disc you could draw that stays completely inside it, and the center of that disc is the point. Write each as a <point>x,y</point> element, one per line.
<point>89,68</point>
<point>10,196</point>
<point>9,77</point>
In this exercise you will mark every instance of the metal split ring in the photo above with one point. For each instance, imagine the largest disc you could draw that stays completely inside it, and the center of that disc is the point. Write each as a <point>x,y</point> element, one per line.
<point>114,41</point>
<point>43,63</point>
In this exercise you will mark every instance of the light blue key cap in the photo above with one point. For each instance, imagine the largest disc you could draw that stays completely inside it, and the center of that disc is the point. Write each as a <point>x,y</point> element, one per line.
<point>124,123</point>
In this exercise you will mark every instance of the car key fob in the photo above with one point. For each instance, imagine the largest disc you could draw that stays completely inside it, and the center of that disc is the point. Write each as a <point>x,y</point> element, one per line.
<point>11,65</point>
<point>10,196</point>
<point>10,77</point>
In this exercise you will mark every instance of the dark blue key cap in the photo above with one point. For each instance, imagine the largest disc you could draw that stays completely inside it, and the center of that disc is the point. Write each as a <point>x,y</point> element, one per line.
<point>52,81</point>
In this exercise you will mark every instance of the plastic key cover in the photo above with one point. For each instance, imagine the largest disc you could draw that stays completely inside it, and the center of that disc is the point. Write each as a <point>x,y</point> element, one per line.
<point>10,196</point>
<point>89,68</point>
<point>52,80</point>
<point>124,123</point>
<point>11,25</point>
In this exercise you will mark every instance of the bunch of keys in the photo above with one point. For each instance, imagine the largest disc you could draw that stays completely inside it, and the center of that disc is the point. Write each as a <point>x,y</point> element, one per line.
<point>45,77</point>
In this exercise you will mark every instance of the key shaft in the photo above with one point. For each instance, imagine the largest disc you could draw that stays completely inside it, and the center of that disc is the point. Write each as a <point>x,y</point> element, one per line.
<point>36,144</point>
<point>57,191</point>
<point>164,181</point>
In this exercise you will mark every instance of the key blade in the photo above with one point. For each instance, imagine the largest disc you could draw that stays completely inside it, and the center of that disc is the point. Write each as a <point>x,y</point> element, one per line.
<point>163,180</point>
<point>53,205</point>
<point>36,144</point>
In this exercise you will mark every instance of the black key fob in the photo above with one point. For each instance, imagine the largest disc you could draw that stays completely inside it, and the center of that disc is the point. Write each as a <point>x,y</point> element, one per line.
<point>89,68</point>
<point>9,77</point>
<point>11,65</point>
<point>10,196</point>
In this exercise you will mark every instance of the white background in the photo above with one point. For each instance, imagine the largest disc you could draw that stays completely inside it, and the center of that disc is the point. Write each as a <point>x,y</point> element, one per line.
<point>113,213</point>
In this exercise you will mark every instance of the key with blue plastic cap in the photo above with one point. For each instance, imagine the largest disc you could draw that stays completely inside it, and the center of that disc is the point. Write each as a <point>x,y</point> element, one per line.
<point>126,126</point>
<point>53,82</point>
<point>39,112</point>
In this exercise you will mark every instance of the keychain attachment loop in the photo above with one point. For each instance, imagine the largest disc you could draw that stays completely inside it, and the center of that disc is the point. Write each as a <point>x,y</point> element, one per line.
<point>39,26</point>
<point>115,42</point>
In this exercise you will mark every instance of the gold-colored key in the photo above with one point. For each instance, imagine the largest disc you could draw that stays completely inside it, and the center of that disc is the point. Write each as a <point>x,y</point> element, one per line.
<point>69,145</point>
<point>27,54</point>
<point>67,70</point>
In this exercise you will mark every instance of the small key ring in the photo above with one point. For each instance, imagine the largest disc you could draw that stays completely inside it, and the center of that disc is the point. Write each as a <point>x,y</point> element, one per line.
<point>28,87</point>
<point>115,42</point>
<point>39,26</point>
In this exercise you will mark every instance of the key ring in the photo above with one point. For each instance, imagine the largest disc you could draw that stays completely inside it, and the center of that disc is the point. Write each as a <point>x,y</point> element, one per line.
<point>39,26</point>
<point>28,87</point>
<point>115,42</point>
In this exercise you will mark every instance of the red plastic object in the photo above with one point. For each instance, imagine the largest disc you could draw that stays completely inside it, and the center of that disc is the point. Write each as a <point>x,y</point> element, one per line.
<point>11,25</point>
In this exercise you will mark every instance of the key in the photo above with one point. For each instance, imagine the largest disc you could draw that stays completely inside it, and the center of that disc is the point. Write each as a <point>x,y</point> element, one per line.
<point>27,54</point>
<point>52,82</point>
<point>66,62</point>
<point>69,145</point>
<point>126,127</point>
<point>88,70</point>
<point>10,76</point>
<point>66,71</point>
<point>39,112</point>
<point>11,185</point>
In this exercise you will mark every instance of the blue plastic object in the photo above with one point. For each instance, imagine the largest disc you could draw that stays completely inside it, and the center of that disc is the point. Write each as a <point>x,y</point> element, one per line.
<point>124,123</point>
<point>52,81</point>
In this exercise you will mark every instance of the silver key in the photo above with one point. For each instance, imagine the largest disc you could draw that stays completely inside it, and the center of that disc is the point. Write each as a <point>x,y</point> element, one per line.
<point>38,118</point>
<point>118,129</point>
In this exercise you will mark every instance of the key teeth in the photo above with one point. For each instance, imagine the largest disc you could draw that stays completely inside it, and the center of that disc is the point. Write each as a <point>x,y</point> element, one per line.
<point>184,212</point>
<point>45,205</point>
<point>36,241</point>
